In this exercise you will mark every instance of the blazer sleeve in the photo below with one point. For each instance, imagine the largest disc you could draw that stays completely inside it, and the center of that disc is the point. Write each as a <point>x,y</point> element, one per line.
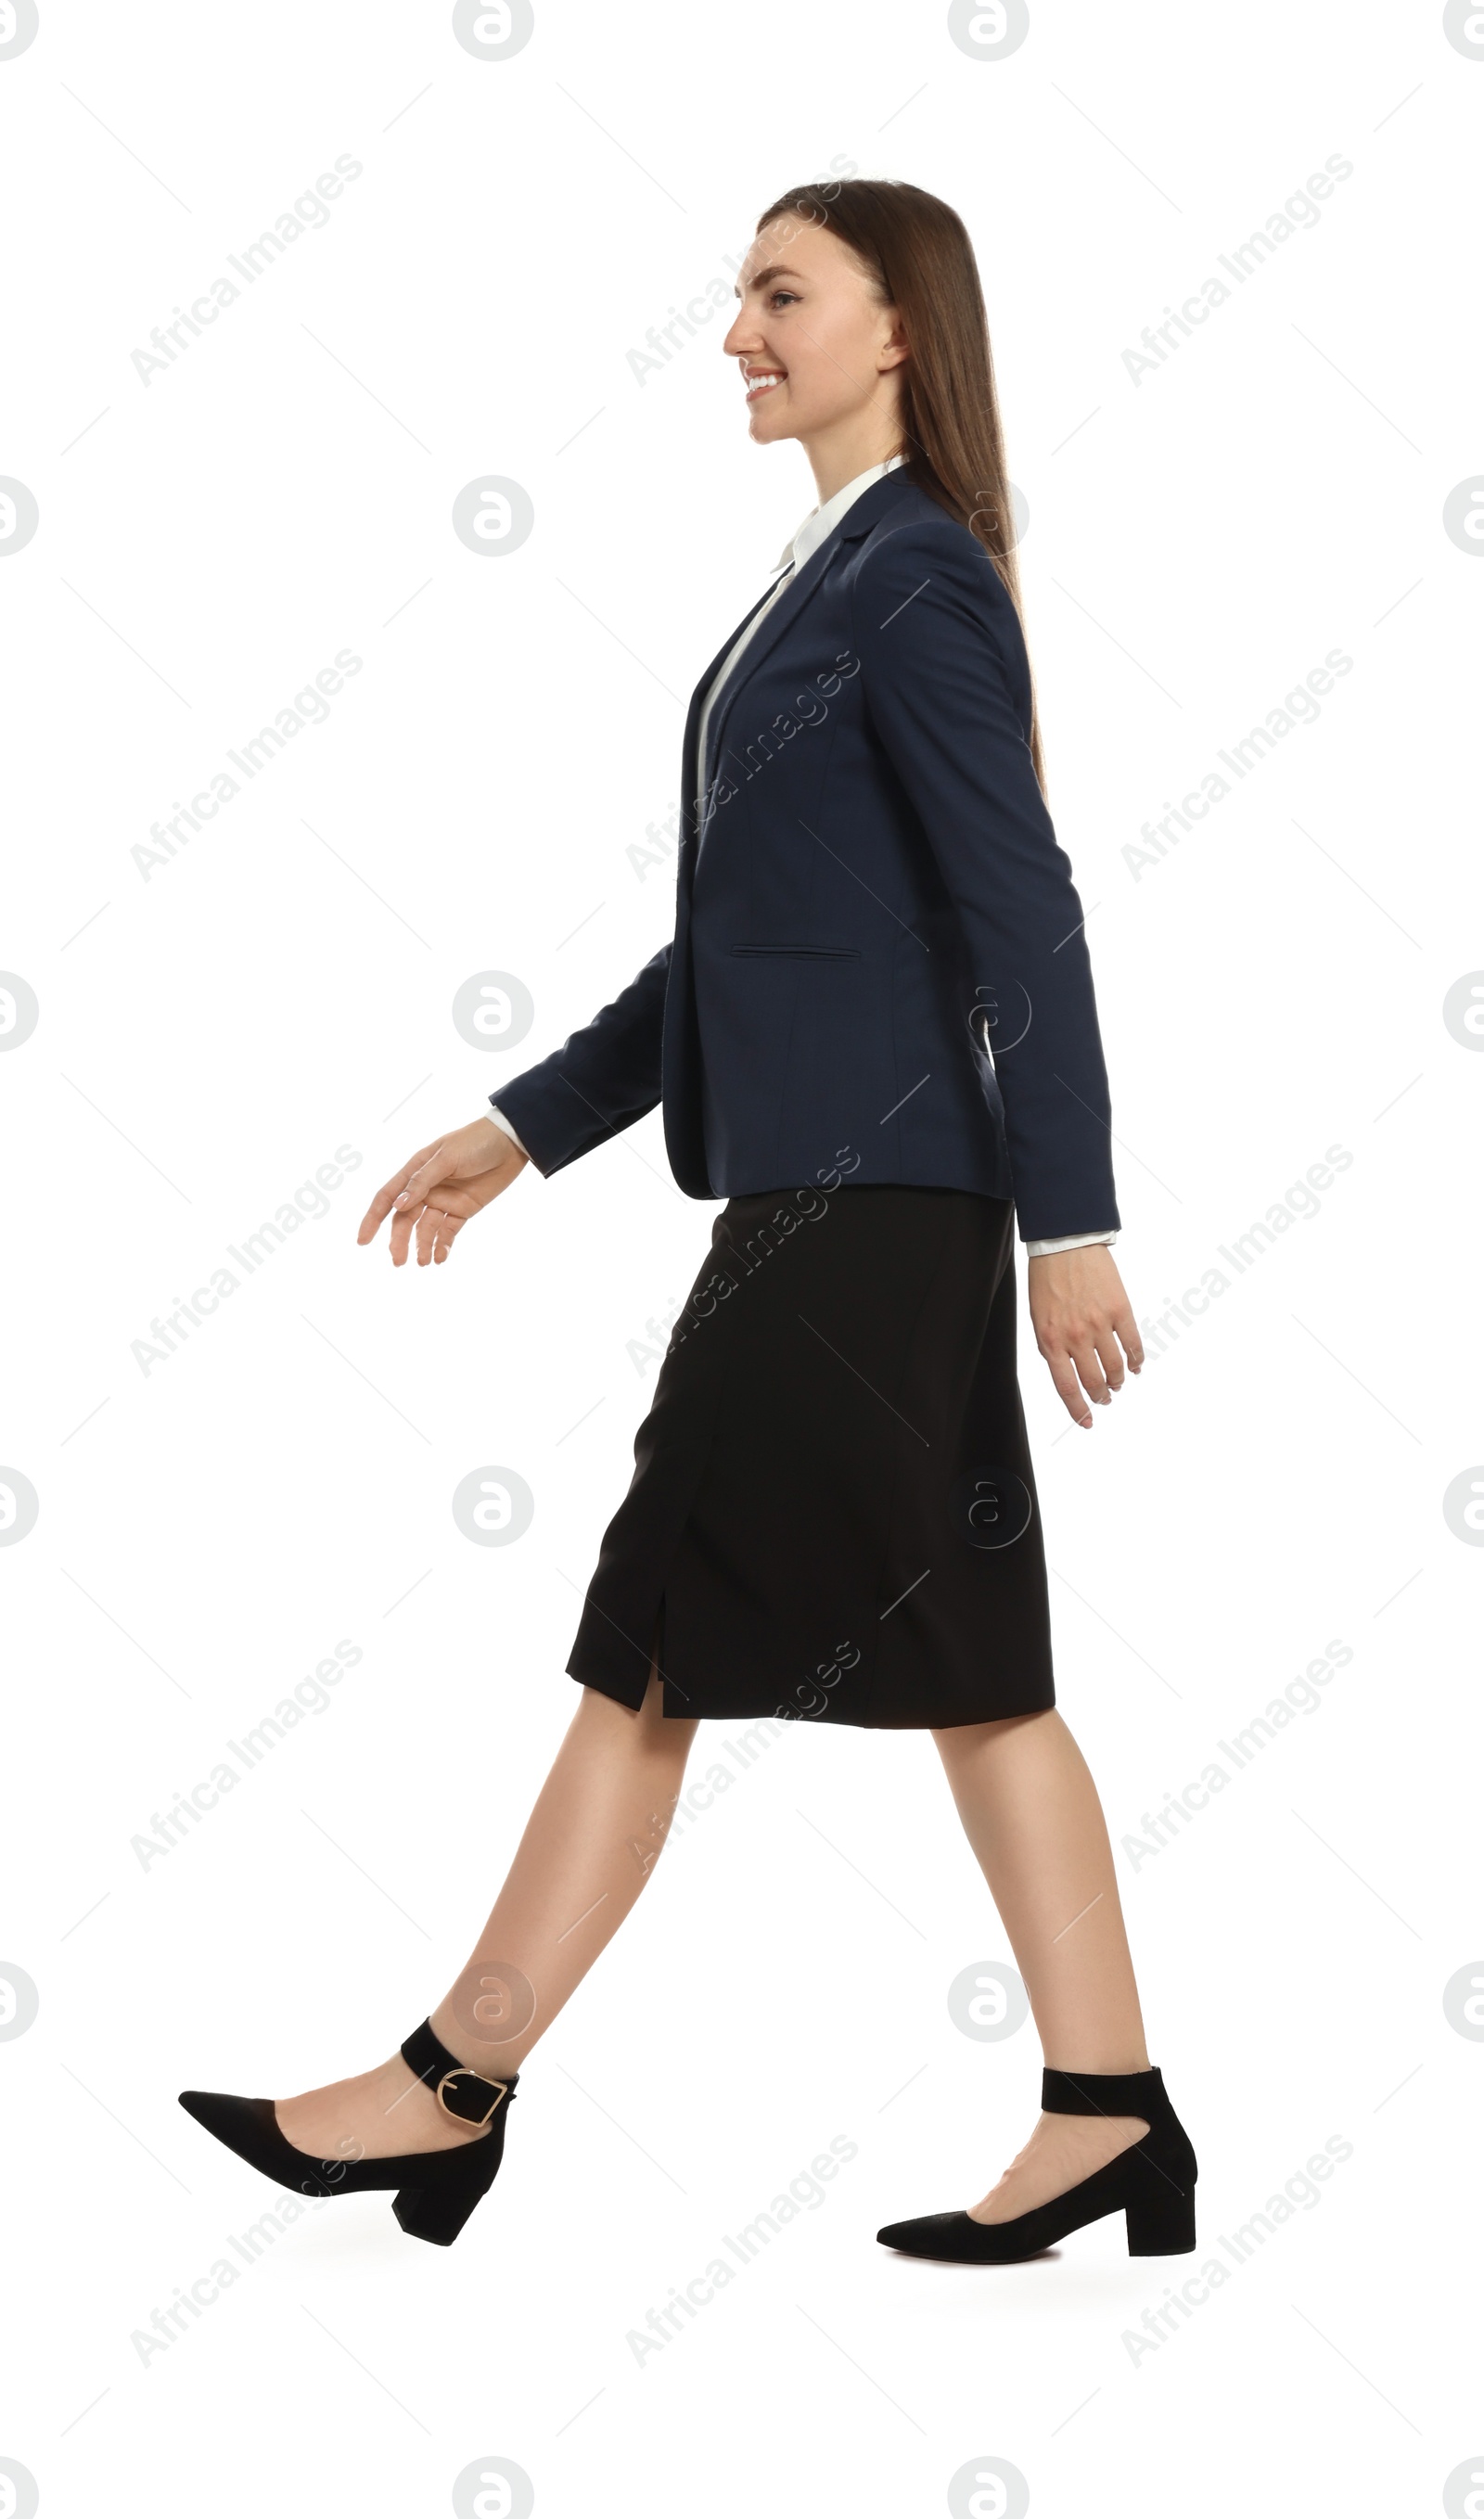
<point>602,1080</point>
<point>947,689</point>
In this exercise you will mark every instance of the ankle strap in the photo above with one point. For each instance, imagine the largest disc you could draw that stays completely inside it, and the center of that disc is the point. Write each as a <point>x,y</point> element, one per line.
<point>1104,2094</point>
<point>459,2092</point>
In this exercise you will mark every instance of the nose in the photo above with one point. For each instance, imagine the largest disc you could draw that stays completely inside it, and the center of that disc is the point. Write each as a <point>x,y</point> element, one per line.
<point>744,339</point>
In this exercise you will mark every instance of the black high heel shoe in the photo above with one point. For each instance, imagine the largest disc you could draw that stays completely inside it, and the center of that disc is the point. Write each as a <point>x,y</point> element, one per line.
<point>1152,2184</point>
<point>438,2189</point>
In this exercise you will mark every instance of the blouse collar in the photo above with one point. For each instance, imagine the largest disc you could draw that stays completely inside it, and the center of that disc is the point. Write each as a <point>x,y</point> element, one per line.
<point>820,522</point>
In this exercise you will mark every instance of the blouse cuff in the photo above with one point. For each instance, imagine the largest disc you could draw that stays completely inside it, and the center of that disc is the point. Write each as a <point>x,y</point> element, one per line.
<point>1067,1242</point>
<point>500,1121</point>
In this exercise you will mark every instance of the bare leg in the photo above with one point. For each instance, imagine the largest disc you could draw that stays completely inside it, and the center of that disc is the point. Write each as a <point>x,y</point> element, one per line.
<point>1030,1811</point>
<point>590,1846</point>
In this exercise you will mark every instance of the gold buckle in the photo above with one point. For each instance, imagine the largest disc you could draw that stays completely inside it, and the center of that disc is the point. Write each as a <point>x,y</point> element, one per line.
<point>463,2072</point>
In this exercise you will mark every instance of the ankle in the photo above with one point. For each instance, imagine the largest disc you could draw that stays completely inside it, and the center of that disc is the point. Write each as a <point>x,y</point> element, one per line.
<point>1116,2062</point>
<point>496,2063</point>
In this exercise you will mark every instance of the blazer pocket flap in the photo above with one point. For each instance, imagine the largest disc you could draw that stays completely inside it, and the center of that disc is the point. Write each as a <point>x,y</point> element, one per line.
<point>806,953</point>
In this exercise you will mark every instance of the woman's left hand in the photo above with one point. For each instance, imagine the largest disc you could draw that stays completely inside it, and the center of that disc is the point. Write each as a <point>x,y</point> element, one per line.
<point>1084,1325</point>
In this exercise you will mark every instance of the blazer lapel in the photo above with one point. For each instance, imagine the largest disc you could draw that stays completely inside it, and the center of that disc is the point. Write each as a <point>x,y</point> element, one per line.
<point>688,817</point>
<point>791,603</point>
<point>859,519</point>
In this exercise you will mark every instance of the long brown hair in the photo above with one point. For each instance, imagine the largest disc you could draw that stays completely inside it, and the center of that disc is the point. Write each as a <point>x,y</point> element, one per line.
<point>917,253</point>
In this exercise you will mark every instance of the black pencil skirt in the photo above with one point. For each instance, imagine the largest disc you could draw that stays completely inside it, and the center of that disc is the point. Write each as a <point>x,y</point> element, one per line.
<point>832,1515</point>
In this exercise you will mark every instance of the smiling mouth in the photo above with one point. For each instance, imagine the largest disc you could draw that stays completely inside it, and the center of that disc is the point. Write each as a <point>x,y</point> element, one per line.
<point>762,381</point>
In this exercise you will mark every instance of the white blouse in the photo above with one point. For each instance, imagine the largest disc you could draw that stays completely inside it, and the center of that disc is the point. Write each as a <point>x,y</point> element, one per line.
<point>817,525</point>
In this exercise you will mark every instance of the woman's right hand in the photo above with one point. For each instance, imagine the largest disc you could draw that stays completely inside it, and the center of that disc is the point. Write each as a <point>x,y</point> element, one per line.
<point>443,1185</point>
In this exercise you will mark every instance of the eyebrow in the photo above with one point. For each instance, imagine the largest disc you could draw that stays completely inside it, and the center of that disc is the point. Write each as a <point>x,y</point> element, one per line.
<point>774,271</point>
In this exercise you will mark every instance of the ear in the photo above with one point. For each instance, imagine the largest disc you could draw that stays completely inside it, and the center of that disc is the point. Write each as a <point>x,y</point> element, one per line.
<point>895,350</point>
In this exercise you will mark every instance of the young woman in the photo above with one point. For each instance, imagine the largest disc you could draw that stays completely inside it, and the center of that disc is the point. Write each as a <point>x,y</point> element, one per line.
<point>874,1037</point>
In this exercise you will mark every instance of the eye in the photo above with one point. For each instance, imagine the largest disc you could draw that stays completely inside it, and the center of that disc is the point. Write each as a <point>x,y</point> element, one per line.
<point>782,297</point>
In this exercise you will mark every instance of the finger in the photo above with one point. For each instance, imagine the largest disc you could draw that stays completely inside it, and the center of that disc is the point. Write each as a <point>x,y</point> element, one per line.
<point>401,1235</point>
<point>1059,1365</point>
<point>1085,1356</point>
<point>428,1221</point>
<point>449,1228</point>
<point>381,1205</point>
<point>388,1194</point>
<point>433,1234</point>
<point>1109,1355</point>
<point>1133,1346</point>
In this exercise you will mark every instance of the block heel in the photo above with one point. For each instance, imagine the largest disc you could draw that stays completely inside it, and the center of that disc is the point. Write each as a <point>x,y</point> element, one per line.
<point>1152,2184</point>
<point>426,2213</point>
<point>1158,2227</point>
<point>434,2191</point>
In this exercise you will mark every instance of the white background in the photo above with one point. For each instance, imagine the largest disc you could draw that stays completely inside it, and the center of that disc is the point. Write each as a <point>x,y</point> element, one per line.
<point>207,1037</point>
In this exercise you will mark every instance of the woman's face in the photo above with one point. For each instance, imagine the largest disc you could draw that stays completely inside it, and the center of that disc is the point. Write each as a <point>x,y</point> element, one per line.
<point>816,349</point>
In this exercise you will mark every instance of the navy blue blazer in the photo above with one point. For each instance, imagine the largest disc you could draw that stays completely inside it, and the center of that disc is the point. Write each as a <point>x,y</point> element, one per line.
<point>878,970</point>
